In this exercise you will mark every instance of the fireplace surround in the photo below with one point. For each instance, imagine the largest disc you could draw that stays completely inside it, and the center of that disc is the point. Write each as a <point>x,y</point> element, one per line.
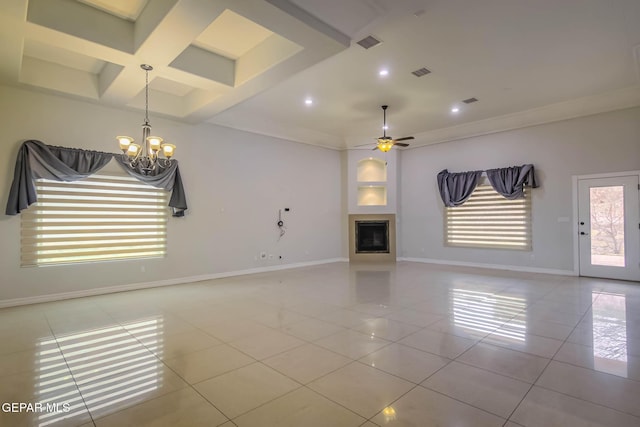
<point>372,237</point>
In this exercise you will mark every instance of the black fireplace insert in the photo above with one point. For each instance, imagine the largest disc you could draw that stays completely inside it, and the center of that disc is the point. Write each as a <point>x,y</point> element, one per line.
<point>372,237</point>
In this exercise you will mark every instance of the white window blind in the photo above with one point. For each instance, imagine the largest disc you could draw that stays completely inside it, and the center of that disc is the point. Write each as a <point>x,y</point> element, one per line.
<point>488,220</point>
<point>95,219</point>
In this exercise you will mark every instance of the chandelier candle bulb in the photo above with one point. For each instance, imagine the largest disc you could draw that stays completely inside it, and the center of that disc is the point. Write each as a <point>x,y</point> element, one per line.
<point>168,150</point>
<point>154,143</point>
<point>133,150</point>
<point>125,142</point>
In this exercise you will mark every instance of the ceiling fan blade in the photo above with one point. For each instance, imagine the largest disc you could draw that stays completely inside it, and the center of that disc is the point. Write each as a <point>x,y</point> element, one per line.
<point>401,144</point>
<point>405,138</point>
<point>375,148</point>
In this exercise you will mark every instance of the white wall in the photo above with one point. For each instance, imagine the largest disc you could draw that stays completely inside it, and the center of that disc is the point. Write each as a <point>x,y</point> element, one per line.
<point>595,144</point>
<point>235,183</point>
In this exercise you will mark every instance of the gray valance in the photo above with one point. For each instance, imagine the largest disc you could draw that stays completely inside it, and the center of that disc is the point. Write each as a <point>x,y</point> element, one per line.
<point>456,188</point>
<point>510,182</point>
<point>38,160</point>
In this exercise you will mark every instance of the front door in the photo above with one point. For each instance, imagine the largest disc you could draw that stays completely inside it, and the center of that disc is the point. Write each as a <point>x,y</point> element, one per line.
<point>609,227</point>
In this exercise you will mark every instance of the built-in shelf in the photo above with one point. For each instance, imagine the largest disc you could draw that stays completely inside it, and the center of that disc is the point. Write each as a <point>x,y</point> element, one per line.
<point>372,182</point>
<point>372,170</point>
<point>372,195</point>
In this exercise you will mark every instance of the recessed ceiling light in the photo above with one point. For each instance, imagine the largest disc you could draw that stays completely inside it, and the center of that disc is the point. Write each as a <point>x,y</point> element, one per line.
<point>383,73</point>
<point>455,110</point>
<point>308,101</point>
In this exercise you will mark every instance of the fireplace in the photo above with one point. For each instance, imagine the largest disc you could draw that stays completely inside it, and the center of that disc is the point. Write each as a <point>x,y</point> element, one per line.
<point>372,237</point>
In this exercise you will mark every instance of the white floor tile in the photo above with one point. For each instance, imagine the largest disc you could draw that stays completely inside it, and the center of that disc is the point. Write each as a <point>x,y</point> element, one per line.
<point>546,408</point>
<point>352,344</point>
<point>486,390</point>
<point>312,329</point>
<point>422,407</point>
<point>244,389</point>
<point>596,387</point>
<point>266,344</point>
<point>183,408</point>
<point>387,329</point>
<point>511,363</point>
<point>405,362</point>
<point>445,345</point>
<point>362,389</point>
<point>204,364</point>
<point>307,363</point>
<point>301,407</point>
<point>527,343</point>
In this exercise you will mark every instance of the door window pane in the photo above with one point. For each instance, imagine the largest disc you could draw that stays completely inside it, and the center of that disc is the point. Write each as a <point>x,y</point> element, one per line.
<point>607,226</point>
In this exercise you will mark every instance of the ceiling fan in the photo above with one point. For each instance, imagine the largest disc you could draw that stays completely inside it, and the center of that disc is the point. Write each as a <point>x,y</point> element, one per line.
<point>385,143</point>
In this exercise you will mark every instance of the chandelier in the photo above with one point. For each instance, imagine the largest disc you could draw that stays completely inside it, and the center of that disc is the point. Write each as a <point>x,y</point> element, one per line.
<point>148,159</point>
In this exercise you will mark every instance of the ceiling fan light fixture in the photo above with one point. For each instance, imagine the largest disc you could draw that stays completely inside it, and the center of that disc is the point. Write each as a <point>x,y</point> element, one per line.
<point>385,145</point>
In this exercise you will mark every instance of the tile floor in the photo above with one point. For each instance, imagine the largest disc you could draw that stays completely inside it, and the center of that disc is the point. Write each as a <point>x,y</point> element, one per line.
<point>333,345</point>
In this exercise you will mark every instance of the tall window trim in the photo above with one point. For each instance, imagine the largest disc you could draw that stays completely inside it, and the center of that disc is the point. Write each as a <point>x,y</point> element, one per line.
<point>488,220</point>
<point>100,218</point>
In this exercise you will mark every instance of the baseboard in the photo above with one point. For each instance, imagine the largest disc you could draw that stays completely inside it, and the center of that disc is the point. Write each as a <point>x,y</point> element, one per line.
<point>520,268</point>
<point>159,283</point>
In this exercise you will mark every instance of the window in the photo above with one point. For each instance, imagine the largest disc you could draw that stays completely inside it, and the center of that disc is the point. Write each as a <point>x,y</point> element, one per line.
<point>96,219</point>
<point>488,220</point>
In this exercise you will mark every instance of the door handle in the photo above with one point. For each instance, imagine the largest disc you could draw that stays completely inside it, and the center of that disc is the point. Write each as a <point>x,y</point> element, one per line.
<point>582,233</point>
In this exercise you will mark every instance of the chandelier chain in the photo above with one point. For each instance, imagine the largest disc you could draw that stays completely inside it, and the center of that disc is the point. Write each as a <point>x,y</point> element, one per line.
<point>146,97</point>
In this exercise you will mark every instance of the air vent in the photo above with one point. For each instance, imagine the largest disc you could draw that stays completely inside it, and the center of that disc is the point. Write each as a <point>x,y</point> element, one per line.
<point>470,100</point>
<point>369,42</point>
<point>421,72</point>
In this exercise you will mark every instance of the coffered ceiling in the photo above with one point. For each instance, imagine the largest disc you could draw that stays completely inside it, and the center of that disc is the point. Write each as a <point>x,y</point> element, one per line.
<point>207,55</point>
<point>251,64</point>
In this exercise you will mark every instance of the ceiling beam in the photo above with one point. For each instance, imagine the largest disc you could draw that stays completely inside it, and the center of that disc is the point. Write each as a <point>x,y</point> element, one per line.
<point>12,27</point>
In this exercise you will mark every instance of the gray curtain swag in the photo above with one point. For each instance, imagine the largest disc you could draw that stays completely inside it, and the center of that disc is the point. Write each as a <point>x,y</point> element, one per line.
<point>456,188</point>
<point>37,160</point>
<point>510,182</point>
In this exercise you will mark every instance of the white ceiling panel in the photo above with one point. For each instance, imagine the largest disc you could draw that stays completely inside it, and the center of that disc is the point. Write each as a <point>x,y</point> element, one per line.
<point>232,35</point>
<point>170,87</point>
<point>60,56</point>
<point>125,9</point>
